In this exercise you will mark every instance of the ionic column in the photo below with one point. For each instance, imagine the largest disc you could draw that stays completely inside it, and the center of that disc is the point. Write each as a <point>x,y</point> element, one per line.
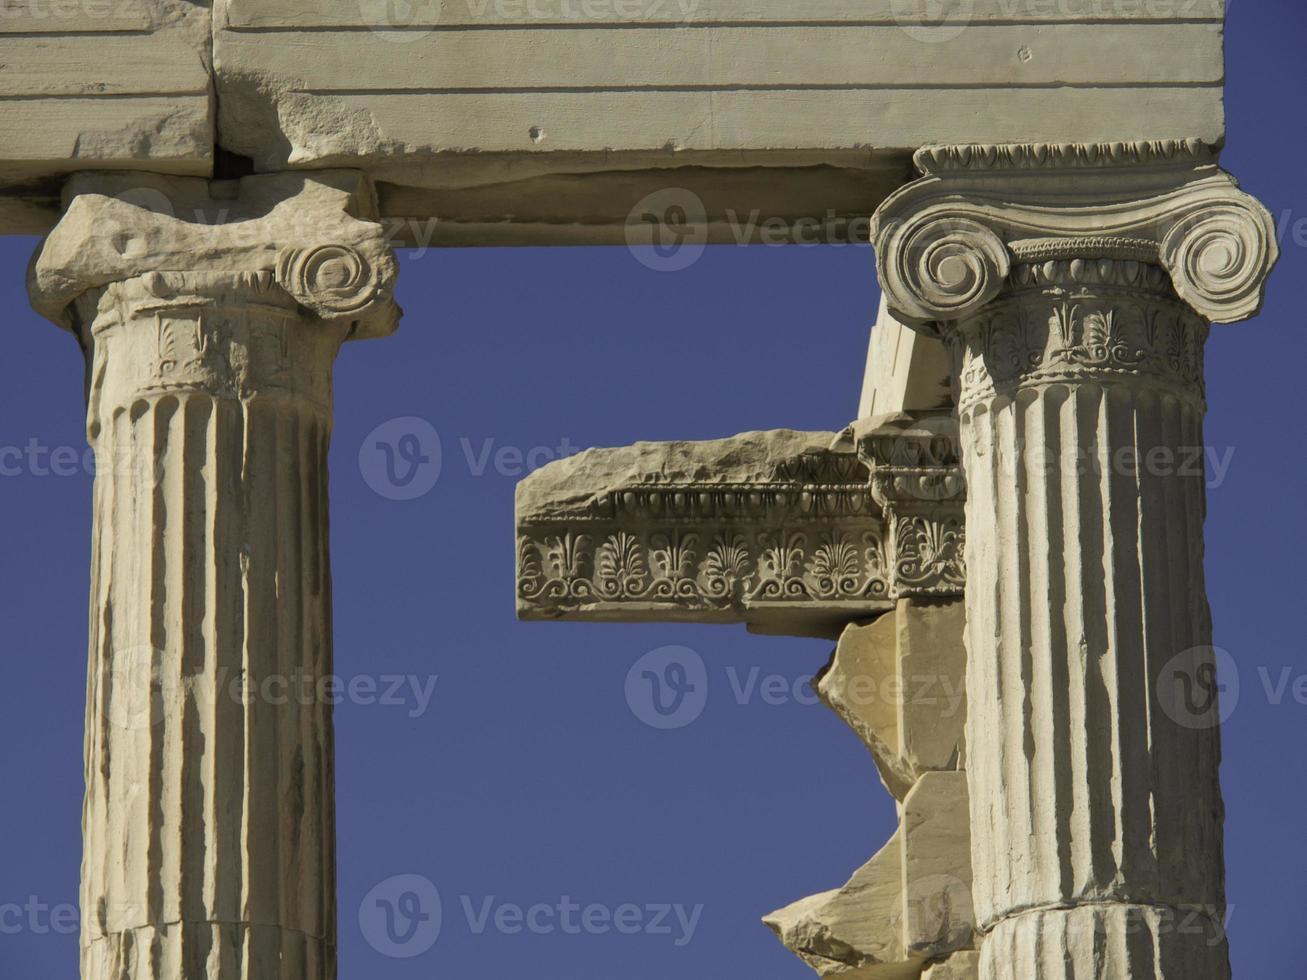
<point>1075,286</point>
<point>210,316</point>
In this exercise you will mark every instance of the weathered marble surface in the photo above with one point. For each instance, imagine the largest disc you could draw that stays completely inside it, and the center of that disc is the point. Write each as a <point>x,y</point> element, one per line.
<point>900,684</point>
<point>550,122</point>
<point>1076,289</point>
<point>211,315</point>
<point>959,966</point>
<point>99,85</point>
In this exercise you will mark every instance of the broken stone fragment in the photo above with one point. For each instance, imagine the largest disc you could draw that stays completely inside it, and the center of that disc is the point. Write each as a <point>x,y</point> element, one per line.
<point>936,833</point>
<point>854,932</point>
<point>900,684</point>
<point>959,966</point>
<point>859,687</point>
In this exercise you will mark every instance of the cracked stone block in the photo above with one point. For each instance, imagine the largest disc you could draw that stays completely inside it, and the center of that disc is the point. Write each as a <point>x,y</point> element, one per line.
<point>937,915</point>
<point>900,684</point>
<point>932,667</point>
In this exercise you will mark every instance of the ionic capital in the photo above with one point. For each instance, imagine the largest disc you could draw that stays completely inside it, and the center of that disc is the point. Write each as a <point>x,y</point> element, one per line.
<point>947,243</point>
<point>309,241</point>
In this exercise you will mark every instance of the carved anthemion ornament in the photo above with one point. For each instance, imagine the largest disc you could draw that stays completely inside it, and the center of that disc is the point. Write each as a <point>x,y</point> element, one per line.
<point>772,528</point>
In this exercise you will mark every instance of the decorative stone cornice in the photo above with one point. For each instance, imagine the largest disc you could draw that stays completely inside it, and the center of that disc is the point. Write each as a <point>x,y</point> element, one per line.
<point>774,529</point>
<point>786,531</point>
<point>312,237</point>
<point>947,242</point>
<point>1036,156</point>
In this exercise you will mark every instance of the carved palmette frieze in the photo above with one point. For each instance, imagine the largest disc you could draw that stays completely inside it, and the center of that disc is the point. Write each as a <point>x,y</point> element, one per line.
<point>703,569</point>
<point>1070,320</point>
<point>812,535</point>
<point>815,537</point>
<point>930,552</point>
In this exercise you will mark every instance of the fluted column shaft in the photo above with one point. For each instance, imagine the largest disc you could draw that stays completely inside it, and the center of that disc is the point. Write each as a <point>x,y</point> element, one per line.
<point>1098,810</point>
<point>210,316</point>
<point>209,814</point>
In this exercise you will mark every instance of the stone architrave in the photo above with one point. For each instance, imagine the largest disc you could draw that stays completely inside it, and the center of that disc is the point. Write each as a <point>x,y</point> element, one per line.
<point>1075,286</point>
<point>796,533</point>
<point>210,315</point>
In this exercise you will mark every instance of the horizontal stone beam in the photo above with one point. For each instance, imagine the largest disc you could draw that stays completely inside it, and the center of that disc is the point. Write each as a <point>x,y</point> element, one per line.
<point>788,532</point>
<point>553,122</point>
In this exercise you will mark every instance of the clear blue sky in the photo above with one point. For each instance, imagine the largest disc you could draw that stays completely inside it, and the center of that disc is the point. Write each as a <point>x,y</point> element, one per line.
<point>528,779</point>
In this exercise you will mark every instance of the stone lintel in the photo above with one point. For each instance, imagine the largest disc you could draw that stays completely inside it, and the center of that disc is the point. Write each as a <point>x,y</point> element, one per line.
<point>780,530</point>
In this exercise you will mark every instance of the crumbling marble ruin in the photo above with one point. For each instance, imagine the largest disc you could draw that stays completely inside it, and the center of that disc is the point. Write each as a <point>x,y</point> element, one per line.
<point>221,186</point>
<point>1074,288</point>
